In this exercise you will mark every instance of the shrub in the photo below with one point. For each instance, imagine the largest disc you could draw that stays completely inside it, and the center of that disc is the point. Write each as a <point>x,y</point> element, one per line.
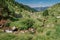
<point>23,24</point>
<point>45,13</point>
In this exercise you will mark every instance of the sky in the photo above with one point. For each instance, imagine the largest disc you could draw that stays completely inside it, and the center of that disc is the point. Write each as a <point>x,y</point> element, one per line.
<point>38,3</point>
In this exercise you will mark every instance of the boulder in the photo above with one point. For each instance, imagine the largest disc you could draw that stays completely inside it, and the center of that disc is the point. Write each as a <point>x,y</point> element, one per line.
<point>14,29</point>
<point>8,31</point>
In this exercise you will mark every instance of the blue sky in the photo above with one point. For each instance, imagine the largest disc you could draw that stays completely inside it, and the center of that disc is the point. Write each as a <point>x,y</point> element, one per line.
<point>38,3</point>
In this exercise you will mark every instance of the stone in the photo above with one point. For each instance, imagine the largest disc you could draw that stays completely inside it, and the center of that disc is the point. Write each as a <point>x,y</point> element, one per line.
<point>8,31</point>
<point>58,17</point>
<point>14,29</point>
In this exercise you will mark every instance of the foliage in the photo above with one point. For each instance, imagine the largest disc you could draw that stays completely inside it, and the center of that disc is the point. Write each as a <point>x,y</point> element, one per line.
<point>23,23</point>
<point>45,13</point>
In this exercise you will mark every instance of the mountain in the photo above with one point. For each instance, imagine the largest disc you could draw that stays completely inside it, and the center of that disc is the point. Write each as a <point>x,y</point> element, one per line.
<point>12,8</point>
<point>54,10</point>
<point>41,8</point>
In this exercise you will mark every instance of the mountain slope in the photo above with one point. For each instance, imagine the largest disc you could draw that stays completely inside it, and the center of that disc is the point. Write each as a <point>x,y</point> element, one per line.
<point>11,5</point>
<point>12,9</point>
<point>55,10</point>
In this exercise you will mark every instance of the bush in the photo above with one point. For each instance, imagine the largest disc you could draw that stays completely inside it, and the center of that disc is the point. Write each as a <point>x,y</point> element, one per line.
<point>45,13</point>
<point>23,24</point>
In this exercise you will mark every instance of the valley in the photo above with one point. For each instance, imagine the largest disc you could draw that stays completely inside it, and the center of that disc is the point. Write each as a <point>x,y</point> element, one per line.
<point>21,22</point>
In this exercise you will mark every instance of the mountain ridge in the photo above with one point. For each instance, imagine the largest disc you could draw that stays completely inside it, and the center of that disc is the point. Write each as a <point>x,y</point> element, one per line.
<point>41,8</point>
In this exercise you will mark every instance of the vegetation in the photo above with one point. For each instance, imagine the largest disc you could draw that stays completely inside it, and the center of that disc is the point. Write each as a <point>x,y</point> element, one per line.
<point>23,23</point>
<point>32,25</point>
